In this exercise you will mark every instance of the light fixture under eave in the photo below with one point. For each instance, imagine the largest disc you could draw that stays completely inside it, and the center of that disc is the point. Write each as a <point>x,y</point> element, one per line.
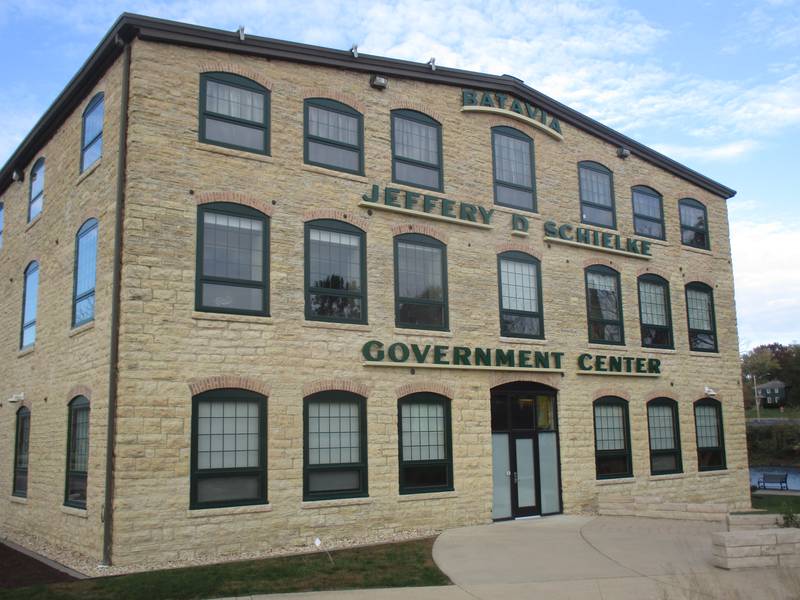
<point>17,175</point>
<point>623,152</point>
<point>379,82</point>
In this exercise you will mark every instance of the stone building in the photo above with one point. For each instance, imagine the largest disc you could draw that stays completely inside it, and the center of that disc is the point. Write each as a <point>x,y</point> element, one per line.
<point>257,292</point>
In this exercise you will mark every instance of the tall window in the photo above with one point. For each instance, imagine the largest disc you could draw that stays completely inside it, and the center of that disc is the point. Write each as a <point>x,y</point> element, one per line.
<point>612,440</point>
<point>520,295</point>
<point>648,212</point>
<point>232,259</point>
<point>335,446</point>
<point>30,297</point>
<point>36,195</point>
<point>700,316</point>
<point>334,135</point>
<point>2,223</point>
<point>92,138</point>
<point>426,461</point>
<point>420,282</point>
<point>597,195</point>
<point>710,438</point>
<point>77,453</point>
<point>21,443</point>
<point>335,272</point>
<point>665,439</point>
<point>604,305</point>
<point>514,184</point>
<point>229,448</point>
<point>655,313</point>
<point>694,223</point>
<point>234,112</point>
<point>85,273</point>
<point>416,150</point>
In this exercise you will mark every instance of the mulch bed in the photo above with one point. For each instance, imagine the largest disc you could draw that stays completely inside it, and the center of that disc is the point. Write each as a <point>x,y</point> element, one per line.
<point>20,570</point>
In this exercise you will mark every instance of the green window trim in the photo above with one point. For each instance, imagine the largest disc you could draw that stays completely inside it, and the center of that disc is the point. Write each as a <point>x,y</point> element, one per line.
<point>338,107</point>
<point>691,202</point>
<point>598,168</point>
<point>406,465</point>
<point>704,453</point>
<point>693,331</point>
<point>96,103</point>
<point>421,240</point>
<point>236,210</point>
<point>648,191</point>
<point>601,456</point>
<point>31,270</point>
<point>413,115</point>
<point>88,227</point>
<point>359,468</point>
<point>521,257</point>
<point>676,437</point>
<point>79,403</point>
<point>259,473</point>
<point>37,171</point>
<point>518,135</point>
<point>664,329</point>
<point>342,227</point>
<point>229,79</point>
<point>604,270</point>
<point>22,437</point>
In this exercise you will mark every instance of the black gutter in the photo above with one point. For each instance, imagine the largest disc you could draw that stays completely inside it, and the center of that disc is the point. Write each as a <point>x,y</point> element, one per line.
<point>159,30</point>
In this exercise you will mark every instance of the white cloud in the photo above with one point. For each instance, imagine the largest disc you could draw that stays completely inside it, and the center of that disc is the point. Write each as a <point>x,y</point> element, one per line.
<point>729,151</point>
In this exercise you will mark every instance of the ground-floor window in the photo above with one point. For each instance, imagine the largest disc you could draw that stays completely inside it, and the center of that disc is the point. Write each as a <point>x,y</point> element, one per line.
<point>710,438</point>
<point>665,440</point>
<point>612,438</point>
<point>426,458</point>
<point>77,452</point>
<point>21,443</point>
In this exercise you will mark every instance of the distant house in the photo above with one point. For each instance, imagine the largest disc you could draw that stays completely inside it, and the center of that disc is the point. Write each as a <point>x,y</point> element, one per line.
<point>771,394</point>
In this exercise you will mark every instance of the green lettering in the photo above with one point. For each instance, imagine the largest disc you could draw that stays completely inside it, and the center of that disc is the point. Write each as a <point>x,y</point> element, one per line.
<point>555,125</point>
<point>600,363</point>
<point>653,365</point>
<point>483,356</point>
<point>504,358</point>
<point>467,211</point>
<point>372,351</point>
<point>645,248</point>
<point>606,237</point>
<point>583,235</point>
<point>519,223</point>
<point>558,356</point>
<point>440,355</point>
<point>501,99</point>
<point>564,232</point>
<point>469,98</point>
<point>631,246</point>
<point>531,110</point>
<point>524,357</point>
<point>374,196</point>
<point>392,353</point>
<point>582,364</point>
<point>461,355</point>
<point>428,203</point>
<point>628,363</point>
<point>542,360</point>
<point>486,215</point>
<point>550,229</point>
<point>516,106</point>
<point>615,364</point>
<point>411,200</point>
<point>447,208</point>
<point>617,243</point>
<point>486,100</point>
<point>420,356</point>
<point>641,364</point>
<point>390,197</point>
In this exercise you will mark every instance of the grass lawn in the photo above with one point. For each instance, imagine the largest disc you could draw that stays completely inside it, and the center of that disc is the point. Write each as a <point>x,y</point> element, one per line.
<point>777,504</point>
<point>388,565</point>
<point>790,412</point>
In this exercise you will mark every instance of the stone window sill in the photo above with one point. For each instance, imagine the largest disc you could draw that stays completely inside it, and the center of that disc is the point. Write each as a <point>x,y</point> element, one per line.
<point>429,496</point>
<point>82,177</point>
<point>334,173</point>
<point>233,153</point>
<point>612,348</point>
<point>620,481</point>
<point>717,473</point>
<point>337,326</point>
<point>26,351</point>
<point>38,218</point>
<point>667,476</point>
<point>423,332</point>
<point>231,318</point>
<point>226,511</point>
<point>659,350</point>
<point>697,250</point>
<point>705,354</point>
<point>524,341</point>
<point>75,512</point>
<point>81,329</point>
<point>311,504</point>
<point>18,500</point>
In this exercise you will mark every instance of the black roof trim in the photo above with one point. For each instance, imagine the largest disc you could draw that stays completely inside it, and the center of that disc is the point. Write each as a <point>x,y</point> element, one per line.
<point>160,30</point>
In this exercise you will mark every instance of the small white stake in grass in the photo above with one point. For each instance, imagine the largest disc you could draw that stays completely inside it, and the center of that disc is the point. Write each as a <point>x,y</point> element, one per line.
<point>318,544</point>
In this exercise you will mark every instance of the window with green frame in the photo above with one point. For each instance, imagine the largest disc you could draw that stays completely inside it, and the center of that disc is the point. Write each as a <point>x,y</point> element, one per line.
<point>700,317</point>
<point>36,192</point>
<point>648,212</point>
<point>655,313</point>
<point>694,223</point>
<point>234,112</point>
<point>710,436</point>
<point>420,282</point>
<point>335,446</point>
<point>77,452</point>
<point>596,186</point>
<point>520,295</point>
<point>85,273</point>
<point>416,150</point>
<point>426,454</point>
<point>514,179</point>
<point>232,259</point>
<point>92,132</point>
<point>612,438</point>
<point>335,271</point>
<point>229,449</point>
<point>30,300</point>
<point>604,305</point>
<point>334,135</point>
<point>21,445</point>
<point>665,438</point>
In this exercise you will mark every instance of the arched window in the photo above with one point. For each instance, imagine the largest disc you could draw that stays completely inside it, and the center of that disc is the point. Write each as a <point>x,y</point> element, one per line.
<point>334,135</point>
<point>234,112</point>
<point>596,184</point>
<point>21,444</point>
<point>232,259</point>
<point>604,305</point>
<point>514,180</point>
<point>426,456</point>
<point>336,272</point>
<point>694,223</point>
<point>710,436</point>
<point>92,135</point>
<point>416,150</point>
<point>85,273</point>
<point>648,212</point>
<point>655,313</point>
<point>700,317</point>
<point>420,281</point>
<point>520,295</point>
<point>612,439</point>
<point>665,439</point>
<point>77,452</point>
<point>30,295</point>
<point>36,193</point>
<point>229,449</point>
<point>335,446</point>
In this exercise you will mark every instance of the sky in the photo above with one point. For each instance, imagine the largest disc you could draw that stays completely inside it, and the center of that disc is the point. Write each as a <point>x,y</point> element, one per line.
<point>714,85</point>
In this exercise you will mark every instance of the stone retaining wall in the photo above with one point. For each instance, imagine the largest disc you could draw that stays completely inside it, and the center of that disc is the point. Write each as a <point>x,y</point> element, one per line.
<point>763,548</point>
<point>752,521</point>
<point>655,507</point>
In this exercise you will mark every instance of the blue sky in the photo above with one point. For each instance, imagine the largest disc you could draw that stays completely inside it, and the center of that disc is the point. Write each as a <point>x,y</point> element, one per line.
<point>715,85</point>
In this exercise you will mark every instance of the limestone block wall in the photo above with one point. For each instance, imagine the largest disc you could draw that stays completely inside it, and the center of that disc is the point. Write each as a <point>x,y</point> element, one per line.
<point>762,548</point>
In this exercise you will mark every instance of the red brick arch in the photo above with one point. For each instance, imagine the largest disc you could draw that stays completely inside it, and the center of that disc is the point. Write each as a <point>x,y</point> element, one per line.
<point>332,94</point>
<point>600,261</point>
<point>258,204</point>
<point>421,387</point>
<point>229,67</point>
<point>343,385</point>
<point>422,229</point>
<point>336,215</point>
<point>205,384</point>
<point>610,391</point>
<point>519,247</point>
<point>691,276</point>
<point>552,380</point>
<point>425,110</point>
<point>79,390</point>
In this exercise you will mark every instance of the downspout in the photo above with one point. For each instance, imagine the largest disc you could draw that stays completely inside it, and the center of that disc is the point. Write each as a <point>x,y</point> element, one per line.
<point>113,367</point>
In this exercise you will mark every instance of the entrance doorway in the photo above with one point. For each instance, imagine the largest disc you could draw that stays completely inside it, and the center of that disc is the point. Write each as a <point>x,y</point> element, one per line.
<point>526,474</point>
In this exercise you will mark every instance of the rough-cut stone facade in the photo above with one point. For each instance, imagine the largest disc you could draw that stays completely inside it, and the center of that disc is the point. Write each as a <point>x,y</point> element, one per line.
<point>169,351</point>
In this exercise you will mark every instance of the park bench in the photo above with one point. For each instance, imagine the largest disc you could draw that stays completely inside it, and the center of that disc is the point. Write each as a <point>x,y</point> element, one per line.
<point>779,479</point>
